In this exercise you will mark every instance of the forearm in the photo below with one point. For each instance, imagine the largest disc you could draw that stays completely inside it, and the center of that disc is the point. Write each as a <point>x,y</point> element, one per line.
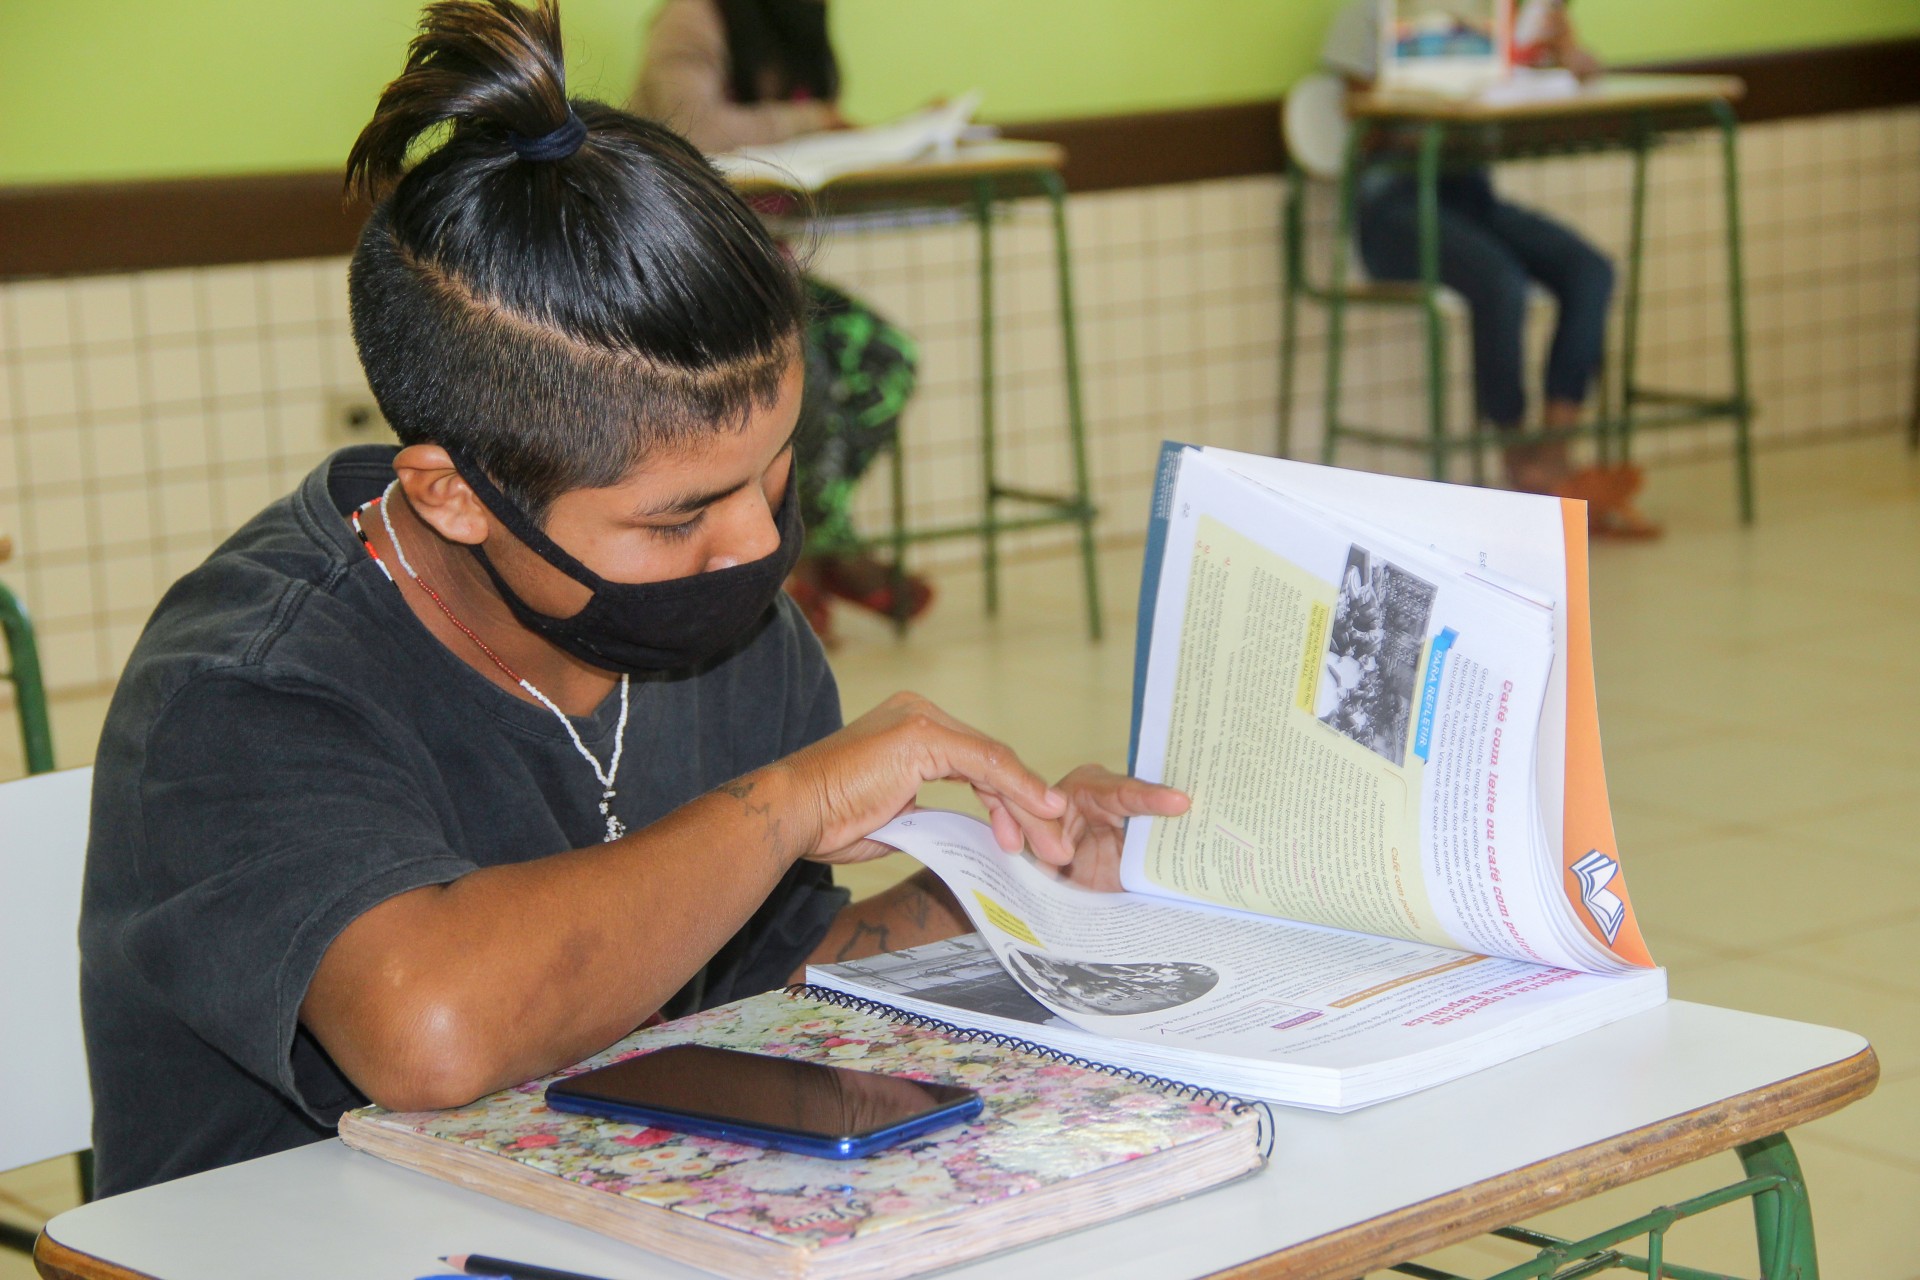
<point>446,993</point>
<point>919,909</point>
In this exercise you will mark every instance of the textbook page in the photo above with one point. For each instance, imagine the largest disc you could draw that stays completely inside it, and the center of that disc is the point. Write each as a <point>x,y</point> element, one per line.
<point>1533,539</point>
<point>1355,719</point>
<point>1230,1000</point>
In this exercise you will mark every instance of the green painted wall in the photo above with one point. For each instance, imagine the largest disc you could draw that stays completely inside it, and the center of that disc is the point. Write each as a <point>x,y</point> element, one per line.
<point>93,89</point>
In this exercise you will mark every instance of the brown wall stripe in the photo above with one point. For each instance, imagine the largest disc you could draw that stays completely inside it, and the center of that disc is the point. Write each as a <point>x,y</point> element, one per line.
<point>91,228</point>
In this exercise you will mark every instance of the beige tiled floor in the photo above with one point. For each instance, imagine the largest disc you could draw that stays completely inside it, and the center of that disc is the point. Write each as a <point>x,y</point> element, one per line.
<point>1760,697</point>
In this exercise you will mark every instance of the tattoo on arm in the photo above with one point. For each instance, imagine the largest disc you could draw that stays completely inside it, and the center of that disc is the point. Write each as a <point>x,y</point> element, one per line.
<point>867,939</point>
<point>742,789</point>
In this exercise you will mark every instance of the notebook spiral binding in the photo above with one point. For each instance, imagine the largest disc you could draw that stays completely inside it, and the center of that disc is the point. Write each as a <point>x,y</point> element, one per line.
<point>972,1035</point>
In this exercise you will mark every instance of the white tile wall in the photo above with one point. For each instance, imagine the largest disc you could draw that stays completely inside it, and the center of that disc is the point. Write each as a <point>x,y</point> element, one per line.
<point>143,417</point>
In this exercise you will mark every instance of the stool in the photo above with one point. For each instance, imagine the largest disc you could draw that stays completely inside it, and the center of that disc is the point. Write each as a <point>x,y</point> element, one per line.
<point>1314,123</point>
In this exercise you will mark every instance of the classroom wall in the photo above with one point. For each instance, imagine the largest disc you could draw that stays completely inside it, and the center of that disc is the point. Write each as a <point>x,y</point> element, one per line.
<point>103,89</point>
<point>144,416</point>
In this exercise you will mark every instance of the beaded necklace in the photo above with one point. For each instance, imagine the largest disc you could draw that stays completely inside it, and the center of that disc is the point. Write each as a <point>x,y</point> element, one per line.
<point>615,827</point>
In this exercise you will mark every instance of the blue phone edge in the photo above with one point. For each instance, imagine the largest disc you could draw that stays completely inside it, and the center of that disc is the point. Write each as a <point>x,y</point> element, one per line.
<point>852,1147</point>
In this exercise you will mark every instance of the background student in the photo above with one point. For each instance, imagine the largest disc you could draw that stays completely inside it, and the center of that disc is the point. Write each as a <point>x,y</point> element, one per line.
<point>456,764</point>
<point>1490,250</point>
<point>735,73</point>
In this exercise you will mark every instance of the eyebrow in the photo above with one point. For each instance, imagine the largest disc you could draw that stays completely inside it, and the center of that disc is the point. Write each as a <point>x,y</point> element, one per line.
<point>689,503</point>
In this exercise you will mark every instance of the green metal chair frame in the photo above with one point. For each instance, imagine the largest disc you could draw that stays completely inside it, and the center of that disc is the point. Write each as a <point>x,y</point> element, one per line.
<point>29,692</point>
<point>1410,296</point>
<point>1006,507</point>
<point>1427,299</point>
<point>1782,1222</point>
<point>36,735</point>
<point>1640,407</point>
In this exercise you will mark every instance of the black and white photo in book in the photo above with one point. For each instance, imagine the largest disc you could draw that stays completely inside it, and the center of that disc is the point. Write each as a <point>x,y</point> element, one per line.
<point>1115,989</point>
<point>1372,663</point>
<point>972,980</point>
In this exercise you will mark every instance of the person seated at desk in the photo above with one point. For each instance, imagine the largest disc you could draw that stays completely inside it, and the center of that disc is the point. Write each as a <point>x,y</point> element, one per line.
<point>1490,249</point>
<point>736,73</point>
<point>464,759</point>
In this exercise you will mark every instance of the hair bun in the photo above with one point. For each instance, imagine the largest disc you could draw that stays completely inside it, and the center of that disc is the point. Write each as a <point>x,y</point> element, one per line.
<point>483,64</point>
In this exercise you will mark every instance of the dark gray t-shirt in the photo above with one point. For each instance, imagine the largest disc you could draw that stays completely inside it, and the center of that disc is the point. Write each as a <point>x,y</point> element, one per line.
<point>287,748</point>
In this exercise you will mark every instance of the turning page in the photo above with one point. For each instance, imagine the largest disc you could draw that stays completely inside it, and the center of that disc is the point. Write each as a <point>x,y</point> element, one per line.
<point>1293,1012</point>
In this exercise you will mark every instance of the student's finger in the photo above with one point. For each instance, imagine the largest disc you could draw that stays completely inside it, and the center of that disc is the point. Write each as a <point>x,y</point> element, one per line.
<point>1045,836</point>
<point>1132,798</point>
<point>988,765</point>
<point>1016,829</point>
<point>1006,830</point>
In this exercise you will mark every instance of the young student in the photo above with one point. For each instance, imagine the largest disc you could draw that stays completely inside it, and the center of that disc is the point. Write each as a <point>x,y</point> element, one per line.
<point>462,760</point>
<point>1490,250</point>
<point>735,73</point>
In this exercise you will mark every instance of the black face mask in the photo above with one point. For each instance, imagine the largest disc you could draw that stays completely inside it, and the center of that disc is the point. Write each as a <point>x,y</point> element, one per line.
<point>639,627</point>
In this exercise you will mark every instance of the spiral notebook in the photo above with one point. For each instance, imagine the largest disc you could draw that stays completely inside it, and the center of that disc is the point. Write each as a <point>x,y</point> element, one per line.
<point>1062,1144</point>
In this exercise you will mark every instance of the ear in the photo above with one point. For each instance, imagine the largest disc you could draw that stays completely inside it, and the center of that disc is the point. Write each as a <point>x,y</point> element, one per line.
<point>439,496</point>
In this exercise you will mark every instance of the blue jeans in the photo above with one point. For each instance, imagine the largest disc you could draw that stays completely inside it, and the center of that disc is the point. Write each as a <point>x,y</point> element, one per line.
<point>1489,249</point>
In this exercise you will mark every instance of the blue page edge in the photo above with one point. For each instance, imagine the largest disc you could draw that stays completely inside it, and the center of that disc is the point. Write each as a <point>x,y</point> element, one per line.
<point>1168,471</point>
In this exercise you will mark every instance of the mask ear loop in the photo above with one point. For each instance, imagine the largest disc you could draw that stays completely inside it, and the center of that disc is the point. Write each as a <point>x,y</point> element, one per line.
<point>508,513</point>
<point>522,527</point>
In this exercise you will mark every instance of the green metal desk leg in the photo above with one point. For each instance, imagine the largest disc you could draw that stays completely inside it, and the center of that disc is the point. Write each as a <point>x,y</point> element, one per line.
<point>990,478</point>
<point>1783,1217</point>
<point>1913,422</point>
<point>1291,256</point>
<point>29,693</point>
<point>1431,135</point>
<point>1737,309</point>
<point>1076,409</point>
<point>897,574</point>
<point>1630,304</point>
<point>1337,293</point>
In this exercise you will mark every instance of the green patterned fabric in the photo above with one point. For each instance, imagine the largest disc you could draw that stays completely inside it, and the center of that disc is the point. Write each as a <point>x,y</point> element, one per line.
<point>861,371</point>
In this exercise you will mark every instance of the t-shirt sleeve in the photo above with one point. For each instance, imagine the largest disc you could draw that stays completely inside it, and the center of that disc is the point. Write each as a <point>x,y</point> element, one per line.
<point>274,813</point>
<point>1352,46</point>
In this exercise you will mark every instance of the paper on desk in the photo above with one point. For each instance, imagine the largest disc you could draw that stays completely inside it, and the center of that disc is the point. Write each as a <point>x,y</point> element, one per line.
<point>809,162</point>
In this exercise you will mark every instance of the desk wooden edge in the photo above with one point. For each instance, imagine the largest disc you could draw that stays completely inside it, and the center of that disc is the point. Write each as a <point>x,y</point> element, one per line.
<point>1459,1215</point>
<point>1406,104</point>
<point>1034,157</point>
<point>1563,1179</point>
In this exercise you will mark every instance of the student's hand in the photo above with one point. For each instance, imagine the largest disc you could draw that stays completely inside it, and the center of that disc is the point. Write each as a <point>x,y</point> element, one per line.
<point>1584,64</point>
<point>836,119</point>
<point>1567,49</point>
<point>1099,802</point>
<point>859,779</point>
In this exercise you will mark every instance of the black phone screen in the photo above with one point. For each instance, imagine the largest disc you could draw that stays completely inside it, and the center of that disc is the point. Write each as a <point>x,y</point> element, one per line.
<point>726,1085</point>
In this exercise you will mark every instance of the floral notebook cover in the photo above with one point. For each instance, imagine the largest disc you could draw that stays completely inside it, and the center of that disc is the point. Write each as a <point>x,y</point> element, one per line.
<point>1045,1121</point>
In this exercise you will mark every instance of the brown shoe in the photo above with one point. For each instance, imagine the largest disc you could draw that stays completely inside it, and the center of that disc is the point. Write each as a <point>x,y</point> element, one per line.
<point>1622,523</point>
<point>1604,488</point>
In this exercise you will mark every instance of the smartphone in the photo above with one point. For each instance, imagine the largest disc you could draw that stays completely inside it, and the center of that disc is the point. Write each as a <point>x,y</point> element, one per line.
<point>762,1101</point>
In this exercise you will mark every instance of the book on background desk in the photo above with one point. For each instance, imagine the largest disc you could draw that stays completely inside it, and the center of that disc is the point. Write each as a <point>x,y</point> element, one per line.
<point>1059,1146</point>
<point>1399,865</point>
<point>1444,46</point>
<point>812,160</point>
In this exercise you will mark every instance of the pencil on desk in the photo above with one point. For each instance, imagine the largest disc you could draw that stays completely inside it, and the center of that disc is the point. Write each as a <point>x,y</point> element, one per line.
<point>478,1264</point>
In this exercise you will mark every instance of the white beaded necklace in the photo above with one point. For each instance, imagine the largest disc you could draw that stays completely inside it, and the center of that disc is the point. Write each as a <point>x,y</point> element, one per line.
<point>615,827</point>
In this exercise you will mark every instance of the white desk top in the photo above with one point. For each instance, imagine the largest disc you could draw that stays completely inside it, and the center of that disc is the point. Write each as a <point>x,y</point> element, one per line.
<point>323,1212</point>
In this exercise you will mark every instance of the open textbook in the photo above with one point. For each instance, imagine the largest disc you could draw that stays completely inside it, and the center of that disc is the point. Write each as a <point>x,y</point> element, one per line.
<point>1399,865</point>
<point>811,161</point>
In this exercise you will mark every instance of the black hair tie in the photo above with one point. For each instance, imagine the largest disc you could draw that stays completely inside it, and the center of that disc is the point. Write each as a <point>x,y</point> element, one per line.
<point>558,145</point>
